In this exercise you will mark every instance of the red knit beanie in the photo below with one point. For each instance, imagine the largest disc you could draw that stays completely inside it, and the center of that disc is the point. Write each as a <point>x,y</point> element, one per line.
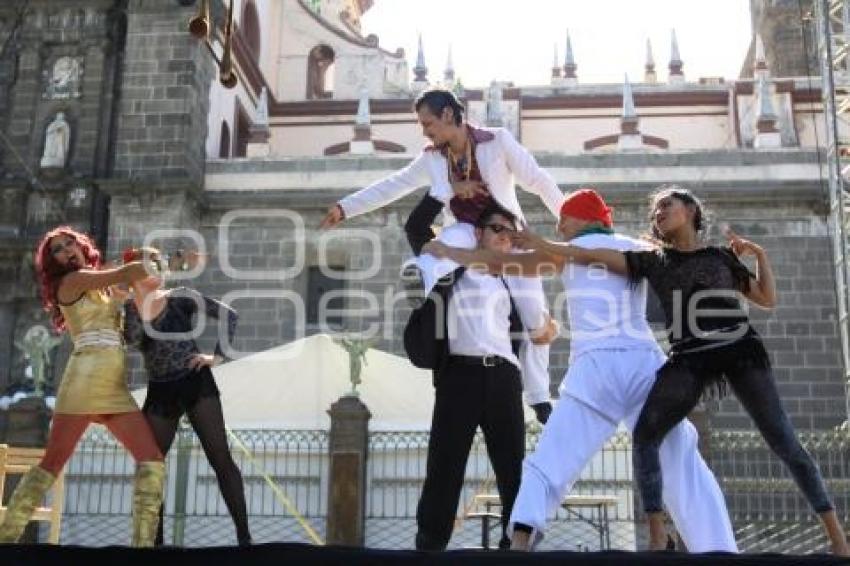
<point>587,205</point>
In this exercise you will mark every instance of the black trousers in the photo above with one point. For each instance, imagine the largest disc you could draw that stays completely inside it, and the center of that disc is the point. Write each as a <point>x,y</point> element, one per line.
<point>468,397</point>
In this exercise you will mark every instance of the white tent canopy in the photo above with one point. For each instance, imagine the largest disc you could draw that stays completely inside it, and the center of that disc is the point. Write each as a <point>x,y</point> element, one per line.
<point>292,387</point>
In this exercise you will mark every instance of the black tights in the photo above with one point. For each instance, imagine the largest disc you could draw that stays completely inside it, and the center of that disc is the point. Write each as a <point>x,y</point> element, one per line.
<point>207,420</point>
<point>676,392</point>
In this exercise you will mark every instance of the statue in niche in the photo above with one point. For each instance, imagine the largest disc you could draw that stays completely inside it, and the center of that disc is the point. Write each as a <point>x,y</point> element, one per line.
<point>57,142</point>
<point>36,346</point>
<point>64,79</point>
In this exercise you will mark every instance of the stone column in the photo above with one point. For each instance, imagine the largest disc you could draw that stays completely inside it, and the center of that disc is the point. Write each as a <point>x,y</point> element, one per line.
<point>348,450</point>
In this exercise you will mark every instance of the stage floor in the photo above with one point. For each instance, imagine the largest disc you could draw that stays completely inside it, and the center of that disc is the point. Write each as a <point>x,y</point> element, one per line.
<point>304,555</point>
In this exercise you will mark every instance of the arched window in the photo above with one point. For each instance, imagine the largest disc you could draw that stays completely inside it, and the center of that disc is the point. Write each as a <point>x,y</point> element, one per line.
<point>320,72</point>
<point>251,28</point>
<point>224,141</point>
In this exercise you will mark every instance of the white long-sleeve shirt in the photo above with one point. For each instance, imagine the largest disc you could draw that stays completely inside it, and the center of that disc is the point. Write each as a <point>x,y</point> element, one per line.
<point>501,160</point>
<point>479,317</point>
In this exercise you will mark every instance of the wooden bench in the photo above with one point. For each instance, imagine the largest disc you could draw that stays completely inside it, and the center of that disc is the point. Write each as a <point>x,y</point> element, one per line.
<point>15,460</point>
<point>572,504</point>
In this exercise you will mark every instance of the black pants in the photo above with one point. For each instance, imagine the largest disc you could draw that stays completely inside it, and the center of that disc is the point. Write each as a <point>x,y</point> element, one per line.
<point>468,397</point>
<point>681,381</point>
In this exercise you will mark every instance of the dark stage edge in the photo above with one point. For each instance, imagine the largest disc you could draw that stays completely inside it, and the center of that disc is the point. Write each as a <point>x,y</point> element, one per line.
<point>284,554</point>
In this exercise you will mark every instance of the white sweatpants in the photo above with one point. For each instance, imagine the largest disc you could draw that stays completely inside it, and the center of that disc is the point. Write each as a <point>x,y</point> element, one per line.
<point>587,416</point>
<point>528,295</point>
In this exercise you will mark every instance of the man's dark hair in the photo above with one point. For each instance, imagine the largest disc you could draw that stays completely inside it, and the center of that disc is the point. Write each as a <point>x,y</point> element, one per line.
<point>492,210</point>
<point>439,99</point>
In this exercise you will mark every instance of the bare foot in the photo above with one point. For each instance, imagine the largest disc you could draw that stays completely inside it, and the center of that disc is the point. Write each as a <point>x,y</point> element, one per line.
<point>657,531</point>
<point>840,548</point>
<point>521,541</point>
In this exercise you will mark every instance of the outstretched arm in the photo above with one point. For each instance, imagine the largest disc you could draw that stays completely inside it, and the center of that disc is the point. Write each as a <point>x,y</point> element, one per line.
<point>614,260</point>
<point>532,264</point>
<point>78,282</point>
<point>380,193</point>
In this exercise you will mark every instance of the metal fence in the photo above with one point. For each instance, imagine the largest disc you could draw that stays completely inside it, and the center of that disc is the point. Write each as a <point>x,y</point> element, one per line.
<point>769,513</point>
<point>286,470</point>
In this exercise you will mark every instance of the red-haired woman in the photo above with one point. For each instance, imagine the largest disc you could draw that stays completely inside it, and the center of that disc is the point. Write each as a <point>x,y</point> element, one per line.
<point>75,290</point>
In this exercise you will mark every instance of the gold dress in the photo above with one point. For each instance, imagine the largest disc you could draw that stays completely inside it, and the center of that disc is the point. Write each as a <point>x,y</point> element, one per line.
<point>95,379</point>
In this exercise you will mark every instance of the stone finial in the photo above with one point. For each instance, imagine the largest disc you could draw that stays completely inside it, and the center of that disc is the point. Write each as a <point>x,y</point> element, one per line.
<point>569,60</point>
<point>556,67</point>
<point>449,72</point>
<point>629,112</point>
<point>677,74</point>
<point>363,117</point>
<point>259,132</point>
<point>767,134</point>
<point>570,78</point>
<point>263,108</point>
<point>362,143</point>
<point>766,113</point>
<point>420,71</point>
<point>649,75</point>
<point>760,68</point>
<point>629,137</point>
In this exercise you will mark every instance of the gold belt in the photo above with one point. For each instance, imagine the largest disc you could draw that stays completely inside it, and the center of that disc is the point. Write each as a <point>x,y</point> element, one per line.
<point>103,338</point>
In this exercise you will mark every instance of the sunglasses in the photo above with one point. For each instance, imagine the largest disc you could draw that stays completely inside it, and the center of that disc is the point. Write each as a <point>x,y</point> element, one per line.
<point>499,228</point>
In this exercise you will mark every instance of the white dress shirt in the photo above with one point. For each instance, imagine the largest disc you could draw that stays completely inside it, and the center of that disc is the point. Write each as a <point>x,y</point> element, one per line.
<point>478,317</point>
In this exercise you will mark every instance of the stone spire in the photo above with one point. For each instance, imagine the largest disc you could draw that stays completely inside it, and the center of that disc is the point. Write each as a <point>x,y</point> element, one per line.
<point>259,132</point>
<point>449,72</point>
<point>363,117</point>
<point>570,78</point>
<point>420,71</point>
<point>630,137</point>
<point>760,68</point>
<point>649,75</point>
<point>556,68</point>
<point>362,142</point>
<point>677,75</point>
<point>767,135</point>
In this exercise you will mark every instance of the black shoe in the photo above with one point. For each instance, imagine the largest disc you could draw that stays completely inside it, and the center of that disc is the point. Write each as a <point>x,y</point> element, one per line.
<point>427,542</point>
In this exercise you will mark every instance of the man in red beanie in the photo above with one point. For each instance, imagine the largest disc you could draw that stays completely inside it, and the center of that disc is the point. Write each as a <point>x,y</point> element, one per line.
<point>613,362</point>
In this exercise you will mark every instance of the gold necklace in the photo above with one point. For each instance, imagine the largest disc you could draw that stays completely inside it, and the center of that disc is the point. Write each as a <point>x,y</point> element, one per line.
<point>452,162</point>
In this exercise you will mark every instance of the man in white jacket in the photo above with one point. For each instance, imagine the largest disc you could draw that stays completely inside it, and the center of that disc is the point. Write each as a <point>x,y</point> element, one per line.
<point>468,168</point>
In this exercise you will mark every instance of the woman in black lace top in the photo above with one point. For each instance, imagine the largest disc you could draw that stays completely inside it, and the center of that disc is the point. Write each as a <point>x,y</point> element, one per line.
<point>160,324</point>
<point>711,342</point>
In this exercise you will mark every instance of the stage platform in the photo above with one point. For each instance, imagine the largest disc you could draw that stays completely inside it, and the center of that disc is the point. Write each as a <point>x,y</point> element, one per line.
<point>307,555</point>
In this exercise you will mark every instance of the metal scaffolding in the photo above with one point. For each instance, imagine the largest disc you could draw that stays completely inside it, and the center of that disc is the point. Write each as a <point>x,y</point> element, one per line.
<point>833,25</point>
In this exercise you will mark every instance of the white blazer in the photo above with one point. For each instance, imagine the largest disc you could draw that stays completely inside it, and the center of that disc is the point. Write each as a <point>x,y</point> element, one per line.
<point>500,159</point>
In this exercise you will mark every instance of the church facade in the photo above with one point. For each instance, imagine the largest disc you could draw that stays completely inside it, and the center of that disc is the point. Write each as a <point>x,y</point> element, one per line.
<point>114,121</point>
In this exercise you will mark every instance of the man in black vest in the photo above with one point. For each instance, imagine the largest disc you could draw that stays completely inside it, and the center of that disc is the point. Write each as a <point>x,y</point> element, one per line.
<point>479,383</point>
